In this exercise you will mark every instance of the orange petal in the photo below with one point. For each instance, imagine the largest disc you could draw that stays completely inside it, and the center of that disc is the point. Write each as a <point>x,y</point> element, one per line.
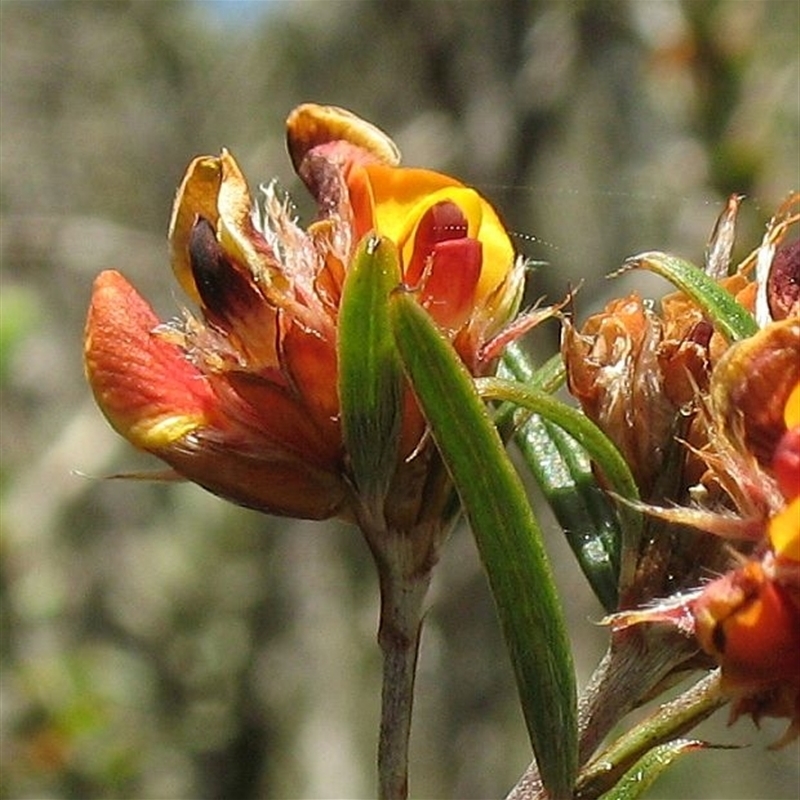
<point>362,202</point>
<point>309,359</point>
<point>146,388</point>
<point>756,638</point>
<point>275,483</point>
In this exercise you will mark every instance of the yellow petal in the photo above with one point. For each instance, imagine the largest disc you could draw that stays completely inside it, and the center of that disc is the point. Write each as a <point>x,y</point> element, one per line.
<point>400,198</point>
<point>784,532</point>
<point>791,414</point>
<point>196,196</point>
<point>311,125</point>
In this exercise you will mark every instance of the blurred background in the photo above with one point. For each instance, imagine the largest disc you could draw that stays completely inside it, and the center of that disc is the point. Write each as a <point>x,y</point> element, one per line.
<point>159,643</point>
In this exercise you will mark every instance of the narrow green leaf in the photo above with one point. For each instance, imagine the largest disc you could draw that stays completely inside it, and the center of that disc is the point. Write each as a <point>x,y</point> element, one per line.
<point>507,535</point>
<point>370,375</point>
<point>598,446</point>
<point>547,378</point>
<point>642,775</point>
<point>665,724</point>
<point>586,515</point>
<point>563,472</point>
<point>728,316</point>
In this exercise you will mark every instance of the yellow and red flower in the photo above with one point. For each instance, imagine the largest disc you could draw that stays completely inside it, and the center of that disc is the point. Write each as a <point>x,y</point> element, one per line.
<point>242,399</point>
<point>748,619</point>
<point>667,387</point>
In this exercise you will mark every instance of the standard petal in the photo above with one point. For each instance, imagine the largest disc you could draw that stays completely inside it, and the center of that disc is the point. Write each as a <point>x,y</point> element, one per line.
<point>329,130</point>
<point>400,199</point>
<point>196,197</point>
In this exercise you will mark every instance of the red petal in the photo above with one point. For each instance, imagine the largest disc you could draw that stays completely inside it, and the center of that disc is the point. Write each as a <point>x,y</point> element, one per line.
<point>449,291</point>
<point>440,223</point>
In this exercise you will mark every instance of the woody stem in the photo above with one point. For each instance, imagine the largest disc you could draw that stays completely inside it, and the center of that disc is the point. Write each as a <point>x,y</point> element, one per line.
<point>404,559</point>
<point>402,598</point>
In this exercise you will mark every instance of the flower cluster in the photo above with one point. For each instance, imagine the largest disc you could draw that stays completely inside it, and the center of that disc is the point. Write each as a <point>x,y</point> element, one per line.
<point>712,433</point>
<point>242,398</point>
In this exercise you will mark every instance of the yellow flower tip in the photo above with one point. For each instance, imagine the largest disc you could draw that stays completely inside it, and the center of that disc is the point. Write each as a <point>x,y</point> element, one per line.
<point>791,413</point>
<point>311,126</point>
<point>156,434</point>
<point>149,392</point>
<point>784,532</point>
<point>751,383</point>
<point>427,214</point>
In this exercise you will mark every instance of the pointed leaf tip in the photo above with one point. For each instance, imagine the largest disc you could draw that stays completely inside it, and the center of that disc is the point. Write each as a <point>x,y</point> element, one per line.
<point>370,376</point>
<point>507,535</point>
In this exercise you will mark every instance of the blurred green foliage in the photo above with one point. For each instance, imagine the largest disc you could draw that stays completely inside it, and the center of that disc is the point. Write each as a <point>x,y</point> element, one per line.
<point>159,643</point>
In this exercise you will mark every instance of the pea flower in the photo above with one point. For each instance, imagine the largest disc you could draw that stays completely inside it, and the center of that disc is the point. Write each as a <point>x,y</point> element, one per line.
<point>241,397</point>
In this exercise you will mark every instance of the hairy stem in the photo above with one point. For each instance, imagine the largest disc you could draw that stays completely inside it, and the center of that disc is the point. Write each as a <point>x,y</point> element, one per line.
<point>405,559</point>
<point>402,598</point>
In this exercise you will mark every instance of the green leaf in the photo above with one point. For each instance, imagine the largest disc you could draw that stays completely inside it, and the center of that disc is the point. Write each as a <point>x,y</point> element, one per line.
<point>728,316</point>
<point>546,378</point>
<point>507,535</point>
<point>586,515</point>
<point>564,474</point>
<point>641,776</point>
<point>370,375</point>
<point>669,721</point>
<point>597,445</point>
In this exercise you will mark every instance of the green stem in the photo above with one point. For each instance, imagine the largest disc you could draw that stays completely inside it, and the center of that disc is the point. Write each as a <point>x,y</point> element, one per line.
<point>667,723</point>
<point>637,660</point>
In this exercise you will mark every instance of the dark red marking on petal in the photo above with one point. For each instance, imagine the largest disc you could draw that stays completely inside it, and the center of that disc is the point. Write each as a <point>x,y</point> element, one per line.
<point>783,284</point>
<point>440,223</point>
